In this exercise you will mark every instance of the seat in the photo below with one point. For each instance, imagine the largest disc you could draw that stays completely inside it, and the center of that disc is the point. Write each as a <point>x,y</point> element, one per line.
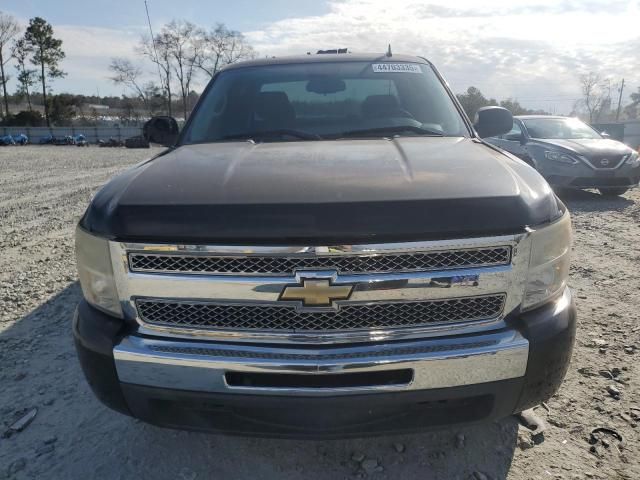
<point>274,111</point>
<point>377,106</point>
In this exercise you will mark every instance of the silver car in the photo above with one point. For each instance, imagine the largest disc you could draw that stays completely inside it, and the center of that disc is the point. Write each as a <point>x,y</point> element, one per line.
<point>569,153</point>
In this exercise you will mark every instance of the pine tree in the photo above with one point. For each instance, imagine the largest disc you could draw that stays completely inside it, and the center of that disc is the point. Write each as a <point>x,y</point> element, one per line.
<point>47,53</point>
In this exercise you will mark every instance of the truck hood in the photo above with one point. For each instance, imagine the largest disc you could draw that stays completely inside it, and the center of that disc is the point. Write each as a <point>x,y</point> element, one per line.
<point>323,192</point>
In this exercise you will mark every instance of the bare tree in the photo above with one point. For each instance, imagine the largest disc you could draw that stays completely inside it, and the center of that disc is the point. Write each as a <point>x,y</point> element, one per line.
<point>155,98</point>
<point>8,29</point>
<point>126,73</point>
<point>26,76</point>
<point>596,95</point>
<point>238,48</point>
<point>157,50</point>
<point>184,46</point>
<point>221,47</point>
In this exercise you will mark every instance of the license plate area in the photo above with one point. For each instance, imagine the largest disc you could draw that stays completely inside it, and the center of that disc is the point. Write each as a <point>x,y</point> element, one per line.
<point>381,378</point>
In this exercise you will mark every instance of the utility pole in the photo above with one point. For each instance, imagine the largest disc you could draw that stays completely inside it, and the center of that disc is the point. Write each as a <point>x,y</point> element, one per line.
<point>620,100</point>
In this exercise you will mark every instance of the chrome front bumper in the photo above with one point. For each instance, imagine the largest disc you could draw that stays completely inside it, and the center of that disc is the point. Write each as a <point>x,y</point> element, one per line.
<point>435,363</point>
<point>333,361</point>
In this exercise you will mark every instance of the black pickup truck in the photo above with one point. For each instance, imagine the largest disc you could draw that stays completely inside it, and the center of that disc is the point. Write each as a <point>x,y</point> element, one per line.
<point>328,248</point>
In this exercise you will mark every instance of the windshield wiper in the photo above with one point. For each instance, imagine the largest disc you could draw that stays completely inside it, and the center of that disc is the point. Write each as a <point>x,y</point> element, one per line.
<point>392,129</point>
<point>283,132</point>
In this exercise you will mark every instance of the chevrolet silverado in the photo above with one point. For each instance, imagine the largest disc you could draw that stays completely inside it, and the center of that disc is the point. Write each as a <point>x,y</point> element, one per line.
<point>328,247</point>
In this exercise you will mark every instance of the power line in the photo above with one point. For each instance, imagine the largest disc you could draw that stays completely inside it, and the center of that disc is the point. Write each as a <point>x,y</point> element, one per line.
<point>153,41</point>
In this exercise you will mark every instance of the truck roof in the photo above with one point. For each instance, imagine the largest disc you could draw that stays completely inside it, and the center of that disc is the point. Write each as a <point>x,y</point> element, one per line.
<point>328,57</point>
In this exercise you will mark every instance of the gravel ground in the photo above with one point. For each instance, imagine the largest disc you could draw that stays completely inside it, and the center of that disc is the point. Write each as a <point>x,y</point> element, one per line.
<point>43,191</point>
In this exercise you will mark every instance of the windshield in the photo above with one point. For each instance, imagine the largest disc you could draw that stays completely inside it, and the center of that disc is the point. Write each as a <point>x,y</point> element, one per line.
<point>559,128</point>
<point>324,101</point>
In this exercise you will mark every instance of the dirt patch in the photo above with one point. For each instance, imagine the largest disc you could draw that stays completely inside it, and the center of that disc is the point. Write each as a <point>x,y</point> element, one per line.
<point>44,190</point>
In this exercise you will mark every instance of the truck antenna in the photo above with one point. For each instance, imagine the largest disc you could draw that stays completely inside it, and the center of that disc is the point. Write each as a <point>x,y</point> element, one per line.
<point>389,54</point>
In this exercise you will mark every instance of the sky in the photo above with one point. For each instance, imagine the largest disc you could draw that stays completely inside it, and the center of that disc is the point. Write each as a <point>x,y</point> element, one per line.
<point>530,50</point>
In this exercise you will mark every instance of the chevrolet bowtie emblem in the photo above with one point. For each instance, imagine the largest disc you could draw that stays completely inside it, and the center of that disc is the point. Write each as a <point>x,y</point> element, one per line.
<point>316,293</point>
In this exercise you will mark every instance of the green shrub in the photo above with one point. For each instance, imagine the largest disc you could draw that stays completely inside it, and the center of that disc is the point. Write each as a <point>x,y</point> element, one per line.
<point>24,118</point>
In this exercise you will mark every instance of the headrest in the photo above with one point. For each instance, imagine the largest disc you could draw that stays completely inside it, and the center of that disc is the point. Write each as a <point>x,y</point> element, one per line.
<point>274,105</point>
<point>379,105</point>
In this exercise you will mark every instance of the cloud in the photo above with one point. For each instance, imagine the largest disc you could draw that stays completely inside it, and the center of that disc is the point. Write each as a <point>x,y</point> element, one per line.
<point>534,8</point>
<point>532,51</point>
<point>88,53</point>
<point>82,42</point>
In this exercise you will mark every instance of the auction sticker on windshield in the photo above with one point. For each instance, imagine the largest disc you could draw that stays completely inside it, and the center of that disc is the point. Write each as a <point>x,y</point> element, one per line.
<point>396,68</point>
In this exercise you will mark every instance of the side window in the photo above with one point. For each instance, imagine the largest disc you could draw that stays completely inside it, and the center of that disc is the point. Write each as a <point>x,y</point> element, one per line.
<point>515,134</point>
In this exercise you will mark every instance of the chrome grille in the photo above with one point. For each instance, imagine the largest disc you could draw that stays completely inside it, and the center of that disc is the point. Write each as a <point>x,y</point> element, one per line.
<point>345,264</point>
<point>287,319</point>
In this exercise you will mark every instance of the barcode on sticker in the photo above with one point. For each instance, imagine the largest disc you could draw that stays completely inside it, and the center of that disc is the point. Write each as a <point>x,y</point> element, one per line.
<point>396,68</point>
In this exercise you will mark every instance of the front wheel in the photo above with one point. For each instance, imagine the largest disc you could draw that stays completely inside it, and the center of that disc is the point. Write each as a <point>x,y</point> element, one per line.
<point>613,192</point>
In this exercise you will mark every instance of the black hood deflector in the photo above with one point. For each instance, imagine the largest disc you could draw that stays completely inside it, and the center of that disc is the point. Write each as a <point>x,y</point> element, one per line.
<point>324,192</point>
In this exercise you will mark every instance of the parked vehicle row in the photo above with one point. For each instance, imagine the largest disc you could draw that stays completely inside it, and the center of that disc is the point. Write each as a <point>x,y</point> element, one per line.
<point>78,140</point>
<point>19,139</point>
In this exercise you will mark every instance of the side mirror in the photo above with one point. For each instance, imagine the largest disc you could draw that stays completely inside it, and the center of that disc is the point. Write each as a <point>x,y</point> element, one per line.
<point>493,121</point>
<point>605,135</point>
<point>162,130</point>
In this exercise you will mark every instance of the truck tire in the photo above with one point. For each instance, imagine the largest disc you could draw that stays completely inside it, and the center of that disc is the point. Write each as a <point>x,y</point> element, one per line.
<point>613,191</point>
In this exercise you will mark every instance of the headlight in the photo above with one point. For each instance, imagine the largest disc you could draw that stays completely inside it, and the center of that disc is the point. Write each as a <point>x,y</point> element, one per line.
<point>96,272</point>
<point>549,262</point>
<point>560,157</point>
<point>633,159</point>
